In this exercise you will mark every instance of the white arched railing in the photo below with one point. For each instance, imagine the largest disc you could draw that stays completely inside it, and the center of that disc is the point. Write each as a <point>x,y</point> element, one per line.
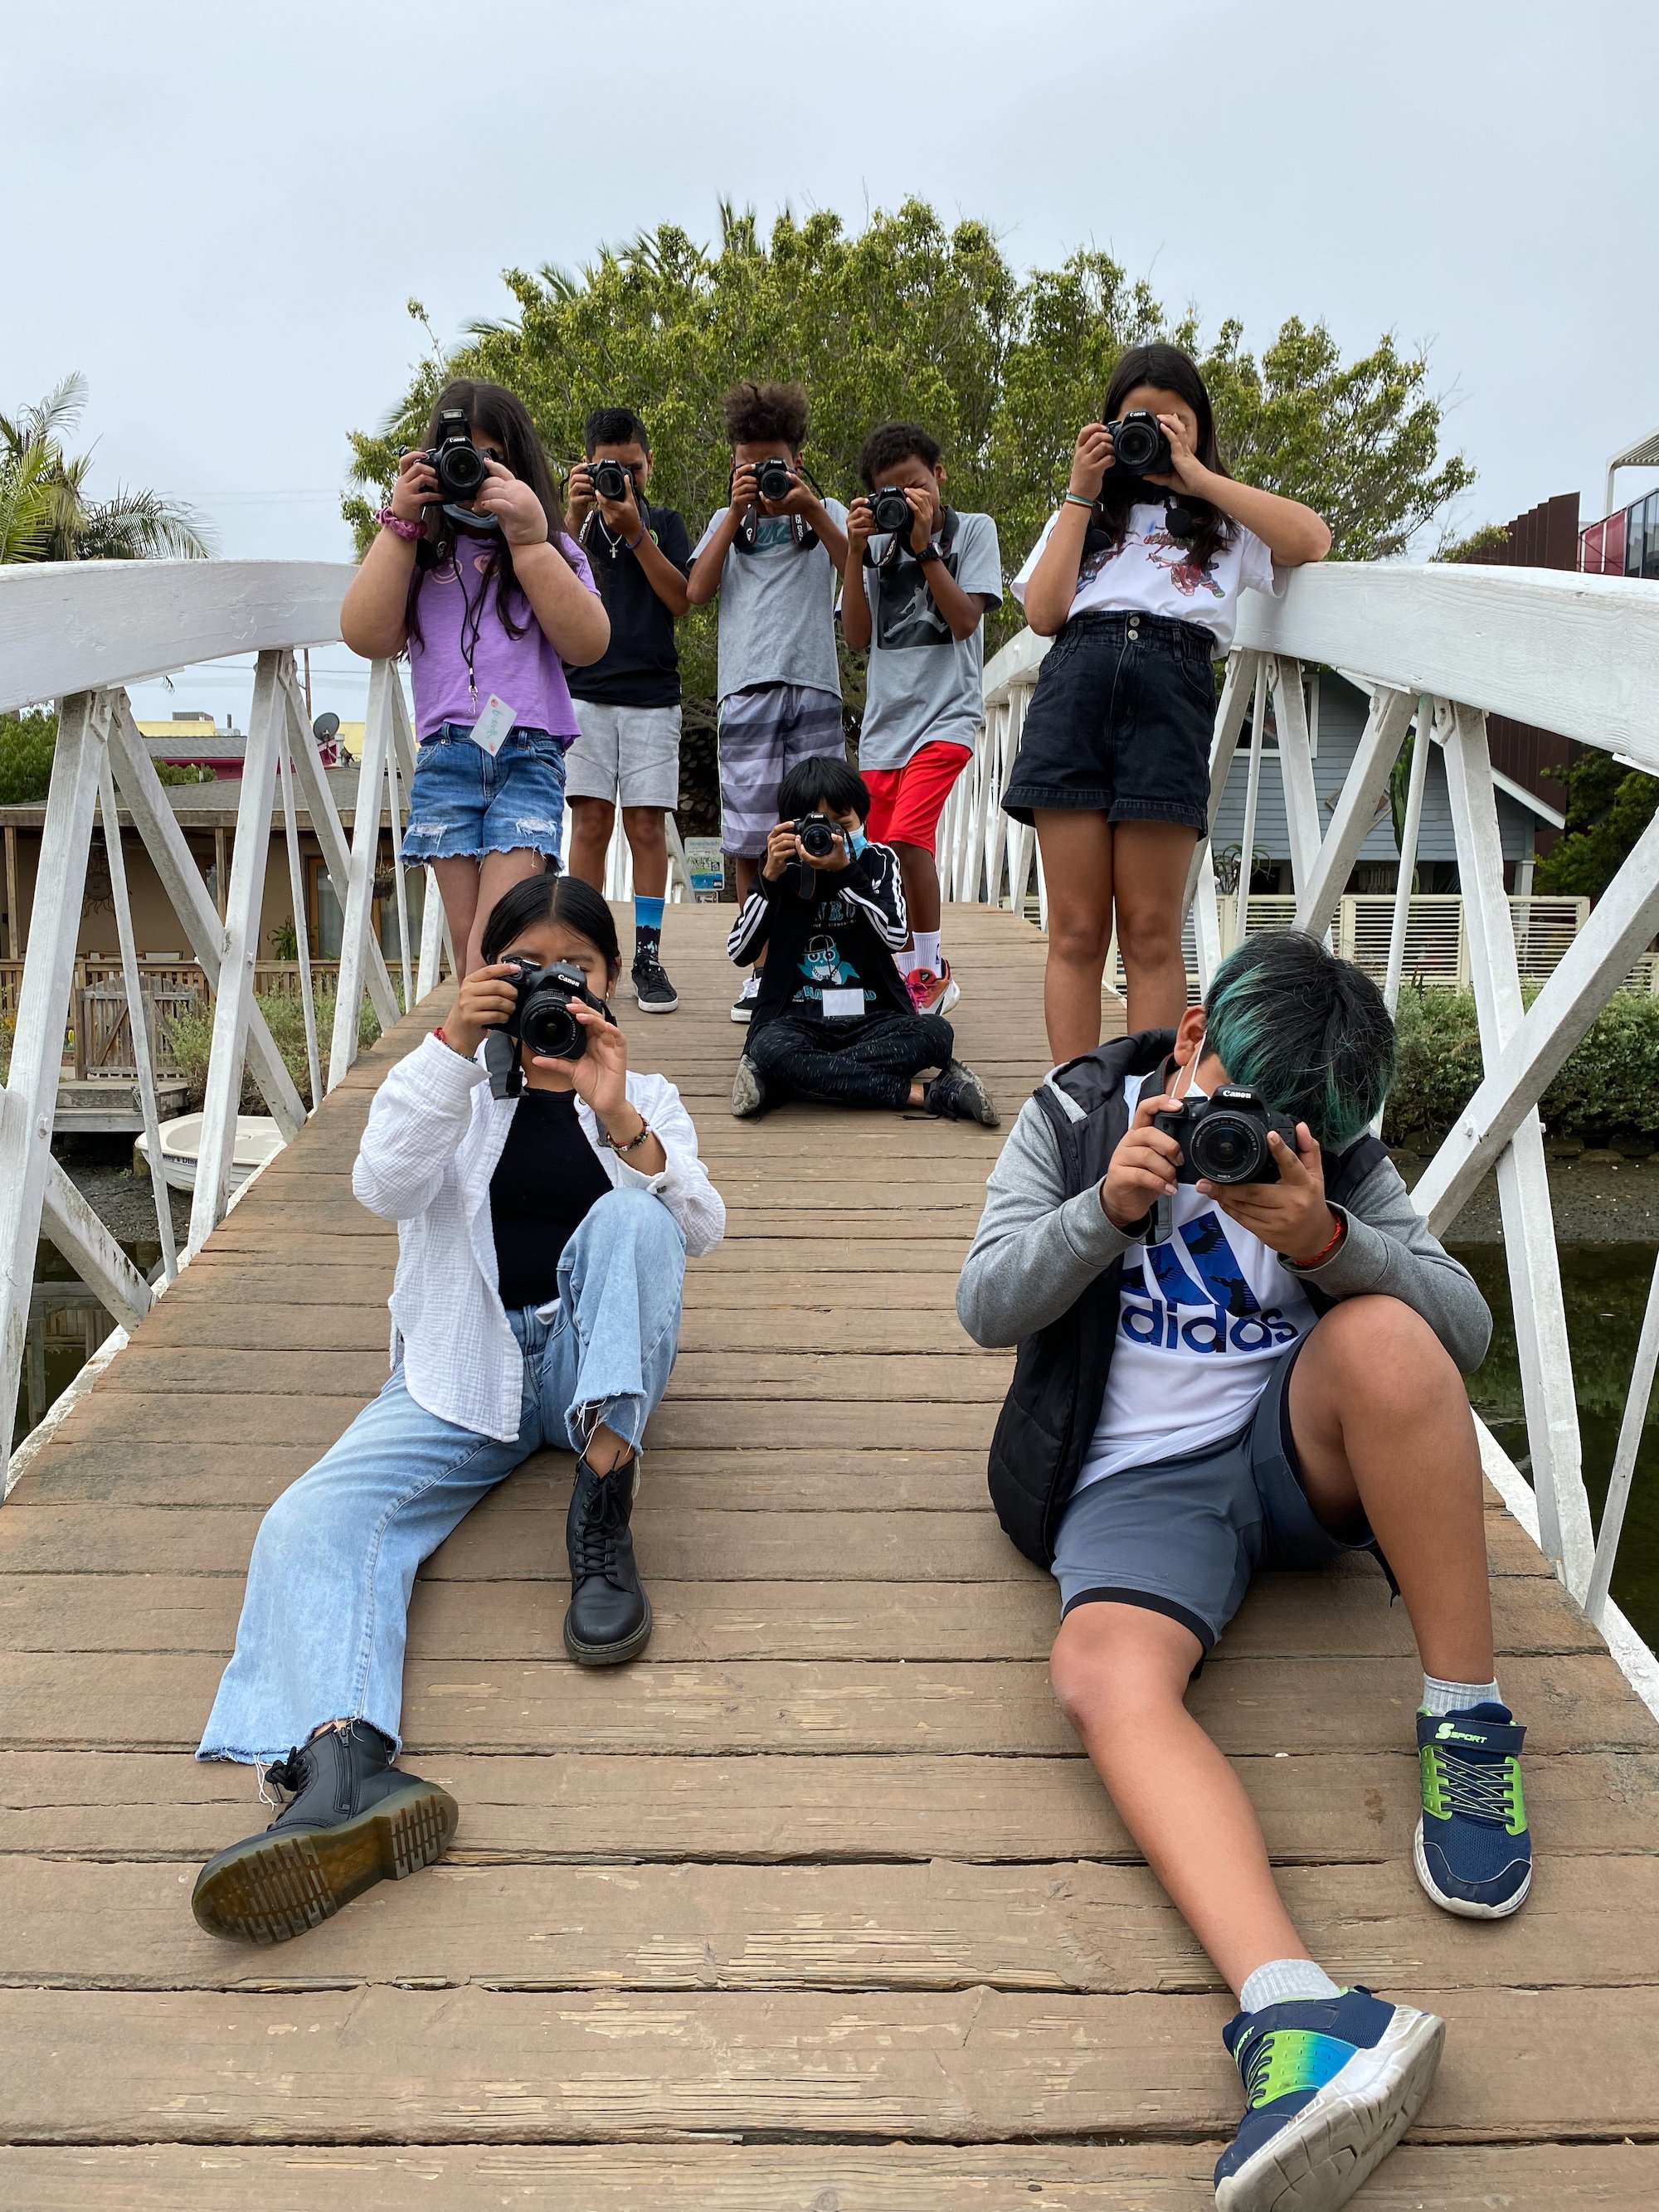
<point>1438,649</point>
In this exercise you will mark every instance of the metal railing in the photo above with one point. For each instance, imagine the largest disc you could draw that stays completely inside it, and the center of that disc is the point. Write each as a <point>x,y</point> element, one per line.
<point>1438,649</point>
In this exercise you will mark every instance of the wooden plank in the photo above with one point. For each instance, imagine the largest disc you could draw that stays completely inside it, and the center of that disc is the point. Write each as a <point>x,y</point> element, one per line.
<point>979,2065</point>
<point>99,1700</point>
<point>1085,1929</point>
<point>770,2177</point>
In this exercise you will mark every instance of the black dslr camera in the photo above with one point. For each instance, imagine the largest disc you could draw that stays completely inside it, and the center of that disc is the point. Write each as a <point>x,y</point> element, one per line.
<point>818,835</point>
<point>892,511</point>
<point>460,468</point>
<point>1139,448</point>
<point>609,479</point>
<point>1224,1138</point>
<point>542,1019</point>
<point>774,479</point>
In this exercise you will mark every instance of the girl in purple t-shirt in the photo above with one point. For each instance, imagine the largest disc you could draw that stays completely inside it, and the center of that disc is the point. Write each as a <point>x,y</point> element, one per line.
<point>491,597</point>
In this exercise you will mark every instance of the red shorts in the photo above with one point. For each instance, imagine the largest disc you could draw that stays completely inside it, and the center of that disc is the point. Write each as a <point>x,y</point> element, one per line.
<point>906,802</point>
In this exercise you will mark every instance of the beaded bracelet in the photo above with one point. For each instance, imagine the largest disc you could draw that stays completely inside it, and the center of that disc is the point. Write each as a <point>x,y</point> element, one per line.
<point>634,1143</point>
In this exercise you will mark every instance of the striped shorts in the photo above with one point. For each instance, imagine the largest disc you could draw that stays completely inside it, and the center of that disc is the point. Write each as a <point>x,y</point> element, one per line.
<point>763,732</point>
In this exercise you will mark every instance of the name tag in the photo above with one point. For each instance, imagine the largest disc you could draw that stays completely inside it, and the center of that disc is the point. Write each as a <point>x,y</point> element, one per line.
<point>843,1006</point>
<point>492,725</point>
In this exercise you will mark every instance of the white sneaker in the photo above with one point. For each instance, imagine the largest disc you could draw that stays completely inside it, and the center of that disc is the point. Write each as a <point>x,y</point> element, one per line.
<point>743,1006</point>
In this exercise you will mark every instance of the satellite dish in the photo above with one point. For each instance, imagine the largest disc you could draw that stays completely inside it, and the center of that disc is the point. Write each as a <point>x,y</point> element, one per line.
<point>325,727</point>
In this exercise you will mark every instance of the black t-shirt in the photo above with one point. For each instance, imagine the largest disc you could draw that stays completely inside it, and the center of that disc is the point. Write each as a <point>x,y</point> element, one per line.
<point>546,1181</point>
<point>641,668</point>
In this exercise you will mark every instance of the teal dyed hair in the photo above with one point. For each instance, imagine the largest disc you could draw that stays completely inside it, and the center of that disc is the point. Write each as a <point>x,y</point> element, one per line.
<point>1307,1030</point>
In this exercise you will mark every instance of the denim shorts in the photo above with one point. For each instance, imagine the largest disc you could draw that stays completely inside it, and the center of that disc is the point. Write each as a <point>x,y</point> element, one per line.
<point>1119,723</point>
<point>1183,1537</point>
<point>465,804</point>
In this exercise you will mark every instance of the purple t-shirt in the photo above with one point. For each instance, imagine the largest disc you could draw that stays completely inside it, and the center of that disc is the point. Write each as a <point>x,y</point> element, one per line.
<point>525,672</point>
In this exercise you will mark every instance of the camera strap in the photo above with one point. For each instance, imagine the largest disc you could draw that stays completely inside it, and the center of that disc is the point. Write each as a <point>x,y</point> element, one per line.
<point>748,536</point>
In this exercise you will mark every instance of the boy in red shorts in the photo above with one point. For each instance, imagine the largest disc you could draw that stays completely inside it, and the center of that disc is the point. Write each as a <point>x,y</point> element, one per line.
<point>915,601</point>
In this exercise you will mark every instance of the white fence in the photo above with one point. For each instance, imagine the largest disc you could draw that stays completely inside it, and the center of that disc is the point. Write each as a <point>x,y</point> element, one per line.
<point>1438,649</point>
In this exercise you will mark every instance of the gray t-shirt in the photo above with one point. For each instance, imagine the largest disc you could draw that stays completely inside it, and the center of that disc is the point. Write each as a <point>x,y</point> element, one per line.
<point>926,687</point>
<point>778,610</point>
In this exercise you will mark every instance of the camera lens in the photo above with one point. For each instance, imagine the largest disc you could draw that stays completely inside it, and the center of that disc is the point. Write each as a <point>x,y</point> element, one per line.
<point>817,838</point>
<point>609,480</point>
<point>1136,446</point>
<point>547,1026</point>
<point>891,510</point>
<point>1227,1148</point>
<point>774,481</point>
<point>461,470</point>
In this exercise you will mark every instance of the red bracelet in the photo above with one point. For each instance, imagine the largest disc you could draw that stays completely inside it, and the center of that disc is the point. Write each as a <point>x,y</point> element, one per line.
<point>1319,1259</point>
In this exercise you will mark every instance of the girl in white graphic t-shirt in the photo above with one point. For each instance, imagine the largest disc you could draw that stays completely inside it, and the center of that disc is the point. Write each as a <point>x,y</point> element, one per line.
<point>1137,578</point>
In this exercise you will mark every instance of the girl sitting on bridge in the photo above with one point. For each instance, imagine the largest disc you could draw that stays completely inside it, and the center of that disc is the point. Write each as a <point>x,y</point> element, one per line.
<point>491,597</point>
<point>1137,577</point>
<point>542,1244</point>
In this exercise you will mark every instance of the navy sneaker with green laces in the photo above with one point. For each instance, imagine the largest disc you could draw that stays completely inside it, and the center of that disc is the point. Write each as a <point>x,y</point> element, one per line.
<point>1330,2086</point>
<point>1473,1853</point>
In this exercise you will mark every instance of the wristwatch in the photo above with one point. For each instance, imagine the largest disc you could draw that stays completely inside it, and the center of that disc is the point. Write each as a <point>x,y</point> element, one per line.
<point>930,551</point>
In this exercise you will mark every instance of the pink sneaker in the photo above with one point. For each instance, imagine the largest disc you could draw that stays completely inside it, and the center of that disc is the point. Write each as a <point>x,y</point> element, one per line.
<point>931,993</point>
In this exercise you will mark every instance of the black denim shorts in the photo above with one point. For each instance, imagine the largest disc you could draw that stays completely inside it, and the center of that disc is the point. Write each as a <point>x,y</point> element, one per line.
<point>1119,723</point>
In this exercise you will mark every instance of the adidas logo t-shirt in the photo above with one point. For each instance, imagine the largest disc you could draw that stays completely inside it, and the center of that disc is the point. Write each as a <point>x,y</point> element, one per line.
<point>1201,1320</point>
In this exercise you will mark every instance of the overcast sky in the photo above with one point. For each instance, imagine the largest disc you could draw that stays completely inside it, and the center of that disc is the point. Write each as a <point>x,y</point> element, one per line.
<point>217,213</point>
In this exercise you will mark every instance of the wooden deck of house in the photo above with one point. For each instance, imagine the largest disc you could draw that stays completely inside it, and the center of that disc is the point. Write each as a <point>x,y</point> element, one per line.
<point>817,1908</point>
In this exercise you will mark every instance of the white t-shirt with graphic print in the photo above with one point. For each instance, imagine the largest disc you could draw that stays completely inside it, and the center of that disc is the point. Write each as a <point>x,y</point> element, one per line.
<point>1153,574</point>
<point>1201,1320</point>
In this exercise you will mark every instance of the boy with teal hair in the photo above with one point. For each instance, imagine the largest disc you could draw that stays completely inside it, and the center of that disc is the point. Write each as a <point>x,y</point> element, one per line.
<point>1217,1375</point>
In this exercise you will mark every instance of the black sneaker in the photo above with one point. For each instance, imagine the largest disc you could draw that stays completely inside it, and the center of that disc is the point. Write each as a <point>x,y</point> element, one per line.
<point>652,988</point>
<point>610,1614</point>
<point>354,1820</point>
<point>748,1091</point>
<point>957,1095</point>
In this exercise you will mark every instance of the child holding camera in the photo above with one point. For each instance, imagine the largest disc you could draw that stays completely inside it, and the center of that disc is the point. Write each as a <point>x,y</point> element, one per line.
<point>1267,1376</point>
<point>773,554</point>
<point>833,1019</point>
<point>1137,577</point>
<point>919,579</point>
<point>542,1240</point>
<point>473,573</point>
<point>628,704</point>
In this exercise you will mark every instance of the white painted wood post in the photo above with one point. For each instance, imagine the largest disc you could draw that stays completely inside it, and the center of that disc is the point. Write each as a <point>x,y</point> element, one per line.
<point>1534,1270</point>
<point>1296,776</point>
<point>137,1015</point>
<point>1252,794</point>
<point>296,885</point>
<point>431,938</point>
<point>1365,783</point>
<point>1417,776</point>
<point>228,1057</point>
<point>435,944</point>
<point>399,890</point>
<point>357,936</point>
<point>1624,1458</point>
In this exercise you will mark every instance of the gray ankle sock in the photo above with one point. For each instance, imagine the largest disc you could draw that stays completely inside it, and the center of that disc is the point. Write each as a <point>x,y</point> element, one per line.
<point>1440,1697</point>
<point>1286,1981</point>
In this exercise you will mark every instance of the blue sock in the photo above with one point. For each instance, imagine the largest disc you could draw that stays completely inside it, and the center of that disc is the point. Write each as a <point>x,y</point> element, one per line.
<point>647,915</point>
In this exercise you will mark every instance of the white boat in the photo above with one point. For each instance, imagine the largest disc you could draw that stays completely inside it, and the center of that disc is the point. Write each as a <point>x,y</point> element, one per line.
<point>258,1139</point>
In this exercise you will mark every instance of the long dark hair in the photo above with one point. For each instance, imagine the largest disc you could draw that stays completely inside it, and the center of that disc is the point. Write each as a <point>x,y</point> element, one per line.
<point>566,900</point>
<point>497,413</point>
<point>1169,369</point>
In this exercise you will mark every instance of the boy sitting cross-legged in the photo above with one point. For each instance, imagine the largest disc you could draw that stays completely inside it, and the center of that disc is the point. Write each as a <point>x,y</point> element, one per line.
<point>833,1020</point>
<point>1214,1378</point>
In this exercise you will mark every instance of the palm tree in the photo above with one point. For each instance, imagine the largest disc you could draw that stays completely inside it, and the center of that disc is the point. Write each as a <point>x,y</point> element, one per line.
<point>45,514</point>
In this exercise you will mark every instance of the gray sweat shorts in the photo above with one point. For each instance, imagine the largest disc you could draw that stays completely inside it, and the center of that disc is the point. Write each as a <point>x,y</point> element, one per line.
<point>1182,1537</point>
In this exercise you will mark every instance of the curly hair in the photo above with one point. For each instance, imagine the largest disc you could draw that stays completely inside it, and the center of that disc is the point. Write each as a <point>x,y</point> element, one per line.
<point>756,412</point>
<point>896,441</point>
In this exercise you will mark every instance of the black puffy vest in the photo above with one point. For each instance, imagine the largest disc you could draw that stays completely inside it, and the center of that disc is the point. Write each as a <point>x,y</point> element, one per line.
<point>1048,1418</point>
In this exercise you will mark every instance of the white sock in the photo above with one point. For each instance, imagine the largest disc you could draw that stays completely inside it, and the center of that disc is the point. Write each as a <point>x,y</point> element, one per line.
<point>1440,1697</point>
<point>927,943</point>
<point>907,961</point>
<point>1286,1981</point>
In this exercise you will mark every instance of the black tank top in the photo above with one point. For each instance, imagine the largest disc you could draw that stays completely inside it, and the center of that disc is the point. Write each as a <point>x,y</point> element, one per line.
<point>547,1179</point>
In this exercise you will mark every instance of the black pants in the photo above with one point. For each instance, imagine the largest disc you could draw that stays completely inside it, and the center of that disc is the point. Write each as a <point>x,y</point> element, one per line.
<point>872,1062</point>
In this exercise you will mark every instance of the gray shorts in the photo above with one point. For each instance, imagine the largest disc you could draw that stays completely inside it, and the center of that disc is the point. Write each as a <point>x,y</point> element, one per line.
<point>764,732</point>
<point>1182,1537</point>
<point>627,756</point>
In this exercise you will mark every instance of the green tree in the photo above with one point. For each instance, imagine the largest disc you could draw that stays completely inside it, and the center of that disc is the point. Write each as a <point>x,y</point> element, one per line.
<point>1608,807</point>
<point>26,746</point>
<point>47,513</point>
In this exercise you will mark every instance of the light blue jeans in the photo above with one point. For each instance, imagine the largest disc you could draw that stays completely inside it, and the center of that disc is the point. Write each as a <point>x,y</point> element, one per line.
<point>323,1619</point>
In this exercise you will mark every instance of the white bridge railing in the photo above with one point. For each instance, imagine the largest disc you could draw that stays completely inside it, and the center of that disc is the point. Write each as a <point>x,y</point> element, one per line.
<point>1438,649</point>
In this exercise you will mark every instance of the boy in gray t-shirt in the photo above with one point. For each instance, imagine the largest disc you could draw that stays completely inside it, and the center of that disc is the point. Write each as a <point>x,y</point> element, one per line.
<point>916,599</point>
<point>773,554</point>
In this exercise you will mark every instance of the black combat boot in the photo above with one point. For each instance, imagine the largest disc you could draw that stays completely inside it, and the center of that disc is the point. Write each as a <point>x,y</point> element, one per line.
<point>353,1820</point>
<point>610,1615</point>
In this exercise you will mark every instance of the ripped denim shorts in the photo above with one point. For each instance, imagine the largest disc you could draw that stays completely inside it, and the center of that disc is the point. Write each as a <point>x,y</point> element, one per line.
<point>467,803</point>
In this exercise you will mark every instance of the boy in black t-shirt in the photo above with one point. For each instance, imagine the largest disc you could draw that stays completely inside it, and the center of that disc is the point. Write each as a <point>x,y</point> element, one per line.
<point>833,1020</point>
<point>628,704</point>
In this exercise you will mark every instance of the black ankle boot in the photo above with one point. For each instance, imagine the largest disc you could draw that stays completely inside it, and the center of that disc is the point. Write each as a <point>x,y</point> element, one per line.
<point>610,1615</point>
<point>353,1819</point>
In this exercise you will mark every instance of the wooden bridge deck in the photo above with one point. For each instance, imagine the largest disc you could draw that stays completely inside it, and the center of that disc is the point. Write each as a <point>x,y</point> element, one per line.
<point>817,1908</point>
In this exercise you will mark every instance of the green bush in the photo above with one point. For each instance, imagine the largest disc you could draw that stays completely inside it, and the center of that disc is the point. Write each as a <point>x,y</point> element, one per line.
<point>1610,1086</point>
<point>26,749</point>
<point>192,1035</point>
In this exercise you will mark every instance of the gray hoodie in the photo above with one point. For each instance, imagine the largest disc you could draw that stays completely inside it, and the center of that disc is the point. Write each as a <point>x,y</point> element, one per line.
<point>1035,1250</point>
